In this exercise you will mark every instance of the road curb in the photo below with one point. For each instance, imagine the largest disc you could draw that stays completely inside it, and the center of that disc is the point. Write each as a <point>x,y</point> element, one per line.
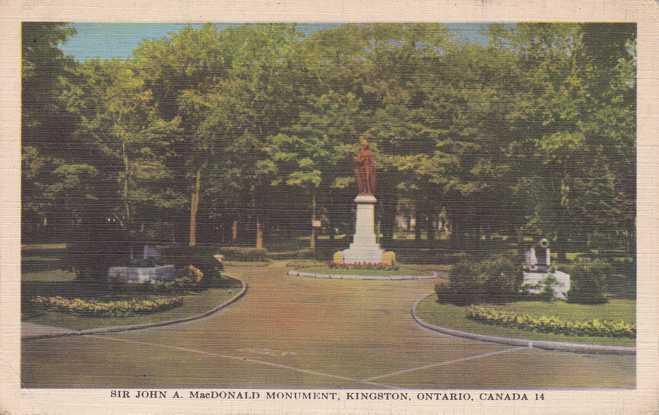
<point>538,344</point>
<point>301,274</point>
<point>115,329</point>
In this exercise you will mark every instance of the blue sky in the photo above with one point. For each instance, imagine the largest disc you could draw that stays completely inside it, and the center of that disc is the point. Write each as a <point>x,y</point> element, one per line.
<point>117,40</point>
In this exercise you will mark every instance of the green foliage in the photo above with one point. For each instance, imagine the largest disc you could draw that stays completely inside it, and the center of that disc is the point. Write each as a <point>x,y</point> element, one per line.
<point>547,293</point>
<point>551,324</point>
<point>318,145</point>
<point>304,253</point>
<point>97,243</point>
<point>532,134</point>
<point>493,280</point>
<point>44,66</point>
<point>466,284</point>
<point>239,253</point>
<point>588,282</point>
<point>503,278</point>
<point>44,71</point>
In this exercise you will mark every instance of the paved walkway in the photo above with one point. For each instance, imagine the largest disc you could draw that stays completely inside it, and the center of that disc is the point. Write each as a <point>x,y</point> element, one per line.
<point>33,330</point>
<point>291,332</point>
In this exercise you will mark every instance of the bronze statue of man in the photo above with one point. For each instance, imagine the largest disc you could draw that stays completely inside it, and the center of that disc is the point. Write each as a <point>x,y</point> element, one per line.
<point>364,164</point>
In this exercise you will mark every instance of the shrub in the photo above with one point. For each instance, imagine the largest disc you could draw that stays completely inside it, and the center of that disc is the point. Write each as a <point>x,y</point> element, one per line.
<point>444,293</point>
<point>547,293</point>
<point>337,258</point>
<point>304,253</point>
<point>551,324</point>
<point>239,253</point>
<point>116,308</point>
<point>96,244</point>
<point>496,280</point>
<point>193,273</point>
<point>389,258</point>
<point>503,278</point>
<point>466,284</point>
<point>454,258</point>
<point>199,257</point>
<point>588,282</point>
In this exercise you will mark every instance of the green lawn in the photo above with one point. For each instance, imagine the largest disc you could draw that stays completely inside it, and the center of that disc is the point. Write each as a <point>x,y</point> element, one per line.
<point>43,246</point>
<point>452,316</point>
<point>52,276</point>
<point>41,277</point>
<point>404,269</point>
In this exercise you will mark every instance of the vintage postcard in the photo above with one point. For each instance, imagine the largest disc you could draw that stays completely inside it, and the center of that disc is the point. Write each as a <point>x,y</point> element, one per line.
<point>350,208</point>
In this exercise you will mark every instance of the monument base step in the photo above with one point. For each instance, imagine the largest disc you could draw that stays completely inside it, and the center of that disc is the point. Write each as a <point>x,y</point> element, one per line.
<point>369,254</point>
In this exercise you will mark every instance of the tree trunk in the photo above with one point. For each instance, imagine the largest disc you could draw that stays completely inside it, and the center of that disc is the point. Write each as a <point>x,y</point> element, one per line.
<point>126,172</point>
<point>430,226</point>
<point>259,232</point>
<point>418,220</point>
<point>194,208</point>
<point>478,236</point>
<point>312,241</point>
<point>332,233</point>
<point>562,236</point>
<point>388,218</point>
<point>561,249</point>
<point>456,234</point>
<point>257,205</point>
<point>234,230</point>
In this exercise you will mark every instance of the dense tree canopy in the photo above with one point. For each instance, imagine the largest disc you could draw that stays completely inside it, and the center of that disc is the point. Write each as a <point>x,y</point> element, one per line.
<point>254,127</point>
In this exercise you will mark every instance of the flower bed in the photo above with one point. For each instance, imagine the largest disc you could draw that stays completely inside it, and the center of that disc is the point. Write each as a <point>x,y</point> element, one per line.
<point>551,324</point>
<point>115,308</point>
<point>381,266</point>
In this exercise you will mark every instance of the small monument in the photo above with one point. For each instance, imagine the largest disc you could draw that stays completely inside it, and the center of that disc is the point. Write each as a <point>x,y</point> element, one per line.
<point>143,269</point>
<point>538,263</point>
<point>364,247</point>
<point>538,257</point>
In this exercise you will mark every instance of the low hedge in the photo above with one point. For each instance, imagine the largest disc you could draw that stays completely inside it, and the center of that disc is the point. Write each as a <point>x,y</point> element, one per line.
<point>305,253</point>
<point>239,253</point>
<point>115,308</point>
<point>551,324</point>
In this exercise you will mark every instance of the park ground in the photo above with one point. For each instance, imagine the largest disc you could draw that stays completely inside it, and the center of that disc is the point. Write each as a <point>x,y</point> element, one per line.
<point>290,332</point>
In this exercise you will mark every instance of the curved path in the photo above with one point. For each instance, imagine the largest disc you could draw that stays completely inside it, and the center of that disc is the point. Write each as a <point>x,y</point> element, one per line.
<point>290,332</point>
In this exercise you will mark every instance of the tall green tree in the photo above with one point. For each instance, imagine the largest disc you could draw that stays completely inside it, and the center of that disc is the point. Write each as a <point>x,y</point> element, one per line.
<point>45,126</point>
<point>575,89</point>
<point>178,70</point>
<point>120,136</point>
<point>314,153</point>
<point>264,91</point>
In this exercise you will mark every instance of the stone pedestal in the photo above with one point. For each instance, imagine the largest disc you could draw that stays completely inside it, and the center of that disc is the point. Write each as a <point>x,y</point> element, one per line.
<point>364,247</point>
<point>141,275</point>
<point>536,279</point>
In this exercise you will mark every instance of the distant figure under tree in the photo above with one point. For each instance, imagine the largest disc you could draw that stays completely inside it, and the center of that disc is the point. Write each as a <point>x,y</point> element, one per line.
<point>364,164</point>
